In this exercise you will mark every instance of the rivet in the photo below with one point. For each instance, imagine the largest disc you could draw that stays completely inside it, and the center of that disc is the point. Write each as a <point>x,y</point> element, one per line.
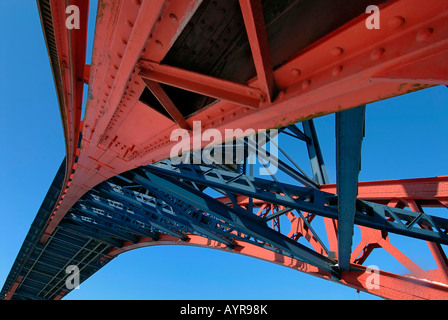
<point>306,84</point>
<point>396,22</point>
<point>424,34</point>
<point>173,17</point>
<point>377,54</point>
<point>337,51</point>
<point>159,44</point>
<point>336,71</point>
<point>281,94</point>
<point>295,72</point>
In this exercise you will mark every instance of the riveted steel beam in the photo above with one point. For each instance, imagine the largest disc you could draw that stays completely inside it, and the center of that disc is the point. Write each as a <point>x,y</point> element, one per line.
<point>203,84</point>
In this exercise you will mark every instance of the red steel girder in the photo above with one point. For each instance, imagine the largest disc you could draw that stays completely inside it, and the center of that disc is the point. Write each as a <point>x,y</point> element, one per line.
<point>431,192</point>
<point>107,16</point>
<point>122,133</point>
<point>404,65</point>
<point>349,67</point>
<point>67,49</point>
<point>206,85</point>
<point>390,285</point>
<point>70,44</point>
<point>256,31</point>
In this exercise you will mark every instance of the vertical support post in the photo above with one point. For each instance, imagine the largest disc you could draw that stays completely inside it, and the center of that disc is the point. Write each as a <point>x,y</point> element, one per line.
<point>349,135</point>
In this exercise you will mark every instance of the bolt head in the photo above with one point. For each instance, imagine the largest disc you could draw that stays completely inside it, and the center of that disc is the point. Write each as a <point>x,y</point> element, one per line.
<point>424,34</point>
<point>396,22</point>
<point>377,54</point>
<point>337,51</point>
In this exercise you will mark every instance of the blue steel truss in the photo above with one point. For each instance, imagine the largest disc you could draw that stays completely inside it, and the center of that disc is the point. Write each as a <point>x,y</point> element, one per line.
<point>164,198</point>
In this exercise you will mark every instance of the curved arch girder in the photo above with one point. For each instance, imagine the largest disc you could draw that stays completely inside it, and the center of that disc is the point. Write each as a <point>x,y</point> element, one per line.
<point>387,285</point>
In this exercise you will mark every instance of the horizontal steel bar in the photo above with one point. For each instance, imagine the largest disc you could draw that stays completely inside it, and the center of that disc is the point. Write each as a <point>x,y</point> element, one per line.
<point>368,214</point>
<point>202,84</point>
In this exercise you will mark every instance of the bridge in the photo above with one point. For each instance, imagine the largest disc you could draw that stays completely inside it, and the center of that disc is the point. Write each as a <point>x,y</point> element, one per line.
<point>193,111</point>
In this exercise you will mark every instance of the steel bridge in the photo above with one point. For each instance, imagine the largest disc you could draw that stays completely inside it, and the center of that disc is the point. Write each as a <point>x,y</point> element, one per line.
<point>263,69</point>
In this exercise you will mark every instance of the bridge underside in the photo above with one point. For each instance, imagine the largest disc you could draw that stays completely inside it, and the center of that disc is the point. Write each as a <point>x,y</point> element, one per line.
<point>223,207</point>
<point>190,66</point>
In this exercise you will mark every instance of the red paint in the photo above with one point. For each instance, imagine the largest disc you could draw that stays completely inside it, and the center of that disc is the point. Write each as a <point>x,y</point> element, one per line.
<point>13,288</point>
<point>349,67</point>
<point>392,286</point>
<point>252,11</point>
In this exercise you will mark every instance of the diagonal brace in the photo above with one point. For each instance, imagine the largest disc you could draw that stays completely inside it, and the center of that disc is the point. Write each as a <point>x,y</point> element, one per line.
<point>252,11</point>
<point>247,223</point>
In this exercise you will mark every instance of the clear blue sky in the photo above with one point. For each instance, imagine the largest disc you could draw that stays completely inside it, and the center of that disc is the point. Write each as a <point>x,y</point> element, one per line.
<point>406,137</point>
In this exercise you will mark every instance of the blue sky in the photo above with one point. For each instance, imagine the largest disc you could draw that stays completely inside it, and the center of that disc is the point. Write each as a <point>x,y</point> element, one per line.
<point>406,137</point>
